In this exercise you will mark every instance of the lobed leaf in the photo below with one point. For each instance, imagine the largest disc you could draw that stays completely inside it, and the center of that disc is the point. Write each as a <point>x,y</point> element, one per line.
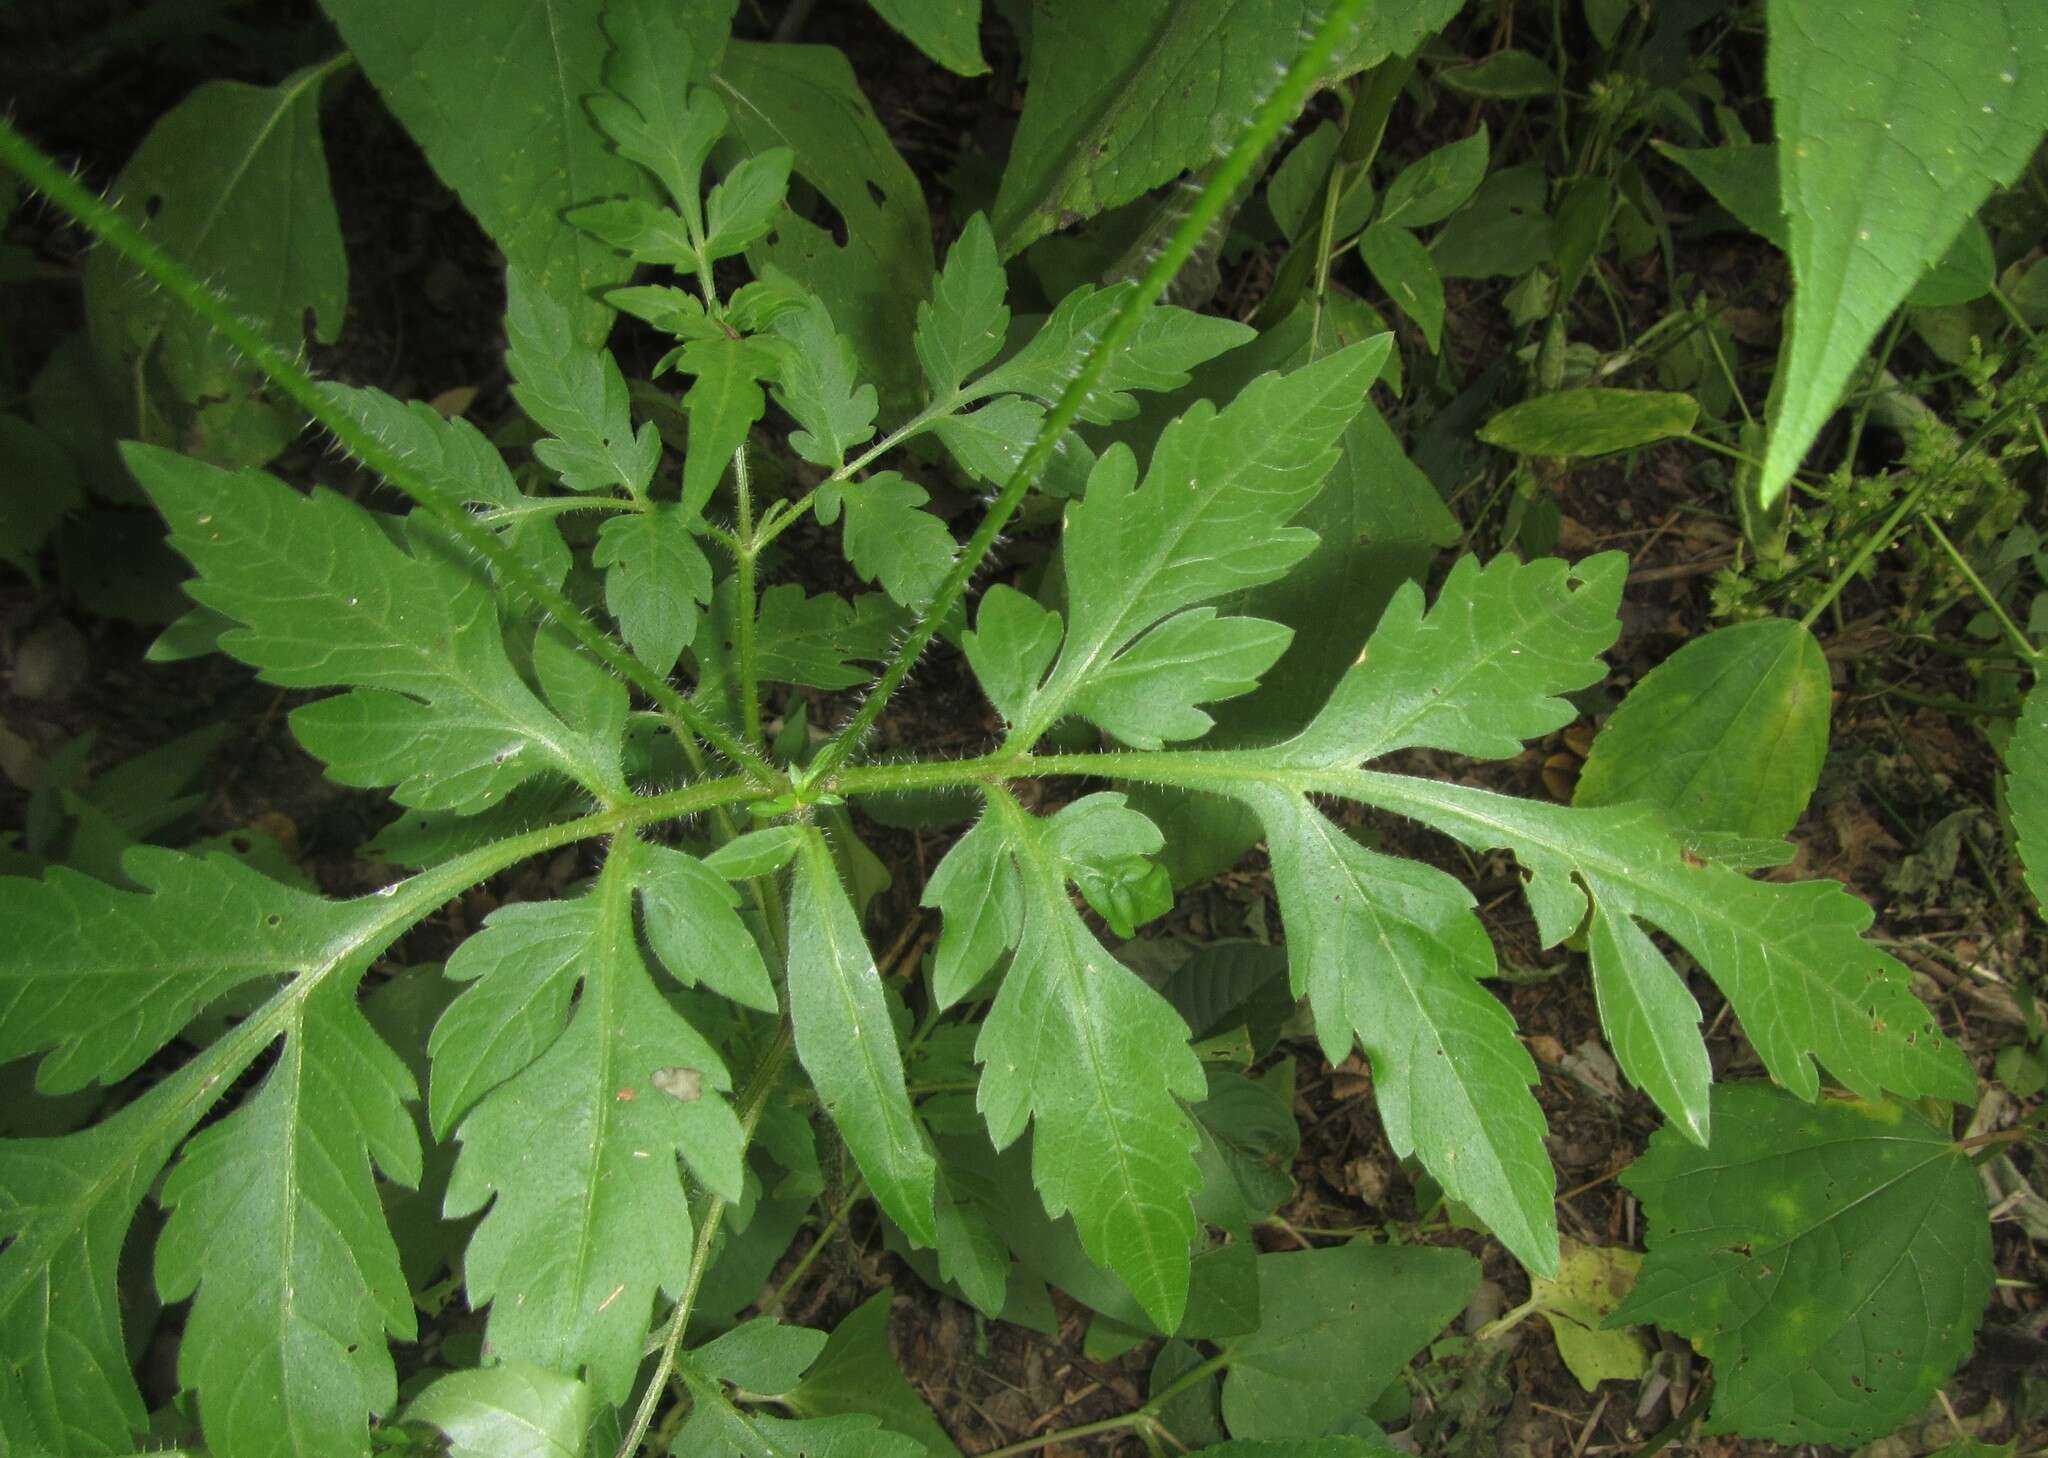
<point>2026,789</point>
<point>322,595</point>
<point>576,394</point>
<point>817,382</point>
<point>655,112</point>
<point>656,574</point>
<point>1078,1046</point>
<point>963,325</point>
<point>888,539</point>
<point>575,1153</point>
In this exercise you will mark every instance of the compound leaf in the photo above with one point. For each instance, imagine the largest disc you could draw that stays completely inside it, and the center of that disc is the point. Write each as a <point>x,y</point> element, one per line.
<point>575,1154</point>
<point>1892,130</point>
<point>1078,1046</point>
<point>1727,734</point>
<point>1832,1260</point>
<point>655,576</point>
<point>324,596</point>
<point>576,394</point>
<point>848,1046</point>
<point>1336,1328</point>
<point>1390,951</point>
<point>654,112</point>
<point>1481,671</point>
<point>1210,518</point>
<point>539,154</point>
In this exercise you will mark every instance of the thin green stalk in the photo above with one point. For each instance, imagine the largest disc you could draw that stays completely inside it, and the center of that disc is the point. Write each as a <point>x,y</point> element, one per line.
<point>809,1258</point>
<point>1870,547</point>
<point>753,1102</point>
<point>2006,625</point>
<point>1275,112</point>
<point>108,225</point>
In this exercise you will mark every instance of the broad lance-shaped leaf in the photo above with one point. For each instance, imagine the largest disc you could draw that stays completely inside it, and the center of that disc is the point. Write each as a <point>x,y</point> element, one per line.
<point>1391,952</point>
<point>105,978</point>
<point>1832,1260</point>
<point>1098,1063</point>
<point>575,1153</point>
<point>1210,518</point>
<point>576,394</point>
<point>277,1233</point>
<point>1893,127</point>
<point>845,1041</point>
<point>323,596</point>
<point>1480,672</point>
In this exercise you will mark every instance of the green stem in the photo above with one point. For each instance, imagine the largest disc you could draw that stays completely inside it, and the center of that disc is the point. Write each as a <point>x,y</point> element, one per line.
<point>112,228</point>
<point>2006,625</point>
<point>1872,544</point>
<point>824,1237</point>
<point>752,1102</point>
<point>1066,1435</point>
<point>1275,112</point>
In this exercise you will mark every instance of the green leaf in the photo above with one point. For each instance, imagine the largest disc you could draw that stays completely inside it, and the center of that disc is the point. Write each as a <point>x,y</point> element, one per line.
<point>1434,186</point>
<point>1169,343</point>
<point>693,927</point>
<point>43,485</point>
<point>653,111</point>
<point>1294,194</point>
<point>2026,788</point>
<point>977,891</point>
<point>512,1410</point>
<point>1148,693</point>
<point>1831,1260</point>
<point>455,459</point>
<point>1479,673</point>
<point>576,394</point>
<point>537,155</point>
<point>848,1046</point>
<point>1121,99</point>
<point>1743,179</point>
<point>276,1226</point>
<point>1402,266</point>
<point>1507,75</point>
<point>1210,518</point>
<point>655,576</point>
<point>1891,133</point>
<point>888,539</point>
<point>949,31</point>
<point>1299,1448</point>
<point>762,1355</point>
<point>1013,643</point>
<point>744,206</point>
<point>1336,1327</point>
<point>817,385</point>
<point>856,1374</point>
<point>324,596</point>
<point>575,1154</point>
<point>806,98</point>
<point>990,443</point>
<point>1249,1140</point>
<point>1790,957</point>
<point>1727,734</point>
<point>757,853</point>
<point>1390,951</point>
<point>808,640</point>
<point>964,324</point>
<point>1078,1045</point>
<point>639,229</point>
<point>232,183</point>
<point>1590,422</point>
<point>723,403</point>
<point>1502,232</point>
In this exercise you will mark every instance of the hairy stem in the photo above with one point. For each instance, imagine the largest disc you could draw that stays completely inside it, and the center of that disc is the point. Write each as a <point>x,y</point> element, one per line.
<point>746,556</point>
<point>107,224</point>
<point>1278,109</point>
